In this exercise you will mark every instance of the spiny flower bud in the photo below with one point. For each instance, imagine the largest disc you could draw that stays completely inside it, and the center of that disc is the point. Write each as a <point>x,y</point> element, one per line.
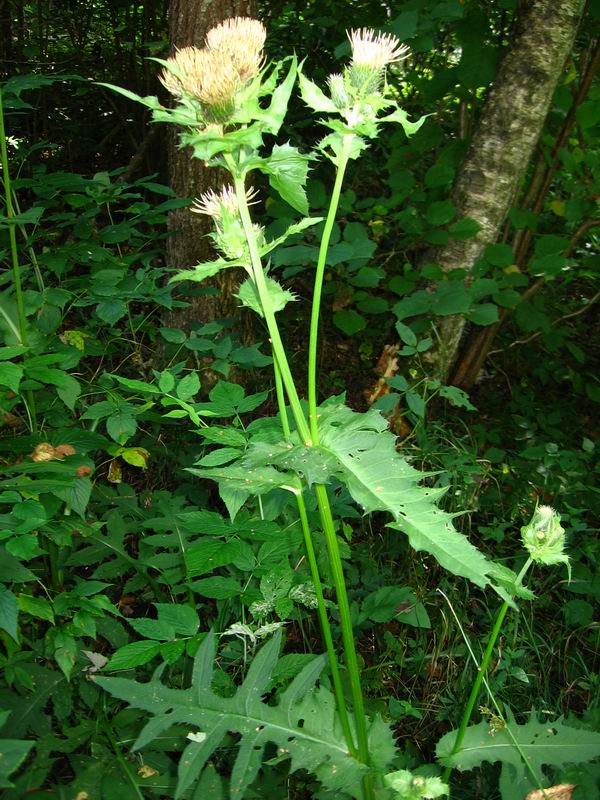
<point>544,537</point>
<point>338,91</point>
<point>242,40</point>
<point>229,236</point>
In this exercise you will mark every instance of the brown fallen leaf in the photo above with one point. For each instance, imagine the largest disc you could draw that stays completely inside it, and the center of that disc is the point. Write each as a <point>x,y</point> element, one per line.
<point>563,791</point>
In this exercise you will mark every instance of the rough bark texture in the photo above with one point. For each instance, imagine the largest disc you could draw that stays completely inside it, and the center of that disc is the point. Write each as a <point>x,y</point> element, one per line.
<point>505,138</point>
<point>189,21</point>
<point>475,350</point>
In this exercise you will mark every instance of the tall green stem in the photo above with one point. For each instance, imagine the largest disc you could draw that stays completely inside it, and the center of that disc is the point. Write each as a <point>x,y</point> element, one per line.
<point>481,674</point>
<point>326,629</point>
<point>316,578</point>
<point>267,307</point>
<point>337,570</point>
<point>318,287</point>
<point>12,236</point>
<point>321,491</point>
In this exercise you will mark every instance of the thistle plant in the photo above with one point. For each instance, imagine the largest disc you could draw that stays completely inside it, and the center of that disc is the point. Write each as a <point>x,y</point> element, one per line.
<point>544,539</point>
<point>226,99</point>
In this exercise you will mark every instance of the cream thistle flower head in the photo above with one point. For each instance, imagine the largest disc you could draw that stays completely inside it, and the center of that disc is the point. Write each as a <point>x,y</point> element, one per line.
<point>216,204</point>
<point>371,53</point>
<point>206,75</point>
<point>242,40</point>
<point>375,50</point>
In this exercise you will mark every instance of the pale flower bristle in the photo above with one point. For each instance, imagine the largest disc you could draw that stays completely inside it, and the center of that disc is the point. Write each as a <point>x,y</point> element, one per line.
<point>212,203</point>
<point>242,39</point>
<point>207,75</point>
<point>375,50</point>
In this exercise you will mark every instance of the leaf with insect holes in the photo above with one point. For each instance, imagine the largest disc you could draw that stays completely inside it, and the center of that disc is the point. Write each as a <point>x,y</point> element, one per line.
<point>541,743</point>
<point>303,724</point>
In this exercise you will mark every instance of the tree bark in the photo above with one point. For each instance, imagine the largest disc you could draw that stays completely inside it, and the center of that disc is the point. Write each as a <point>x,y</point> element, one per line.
<point>504,140</point>
<point>189,21</point>
<point>477,346</point>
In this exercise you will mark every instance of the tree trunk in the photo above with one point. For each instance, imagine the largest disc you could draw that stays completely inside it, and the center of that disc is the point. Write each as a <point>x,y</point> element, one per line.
<point>504,140</point>
<point>189,21</point>
<point>476,348</point>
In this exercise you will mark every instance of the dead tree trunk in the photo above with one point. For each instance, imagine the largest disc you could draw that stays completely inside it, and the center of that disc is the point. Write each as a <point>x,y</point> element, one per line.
<point>189,21</point>
<point>505,138</point>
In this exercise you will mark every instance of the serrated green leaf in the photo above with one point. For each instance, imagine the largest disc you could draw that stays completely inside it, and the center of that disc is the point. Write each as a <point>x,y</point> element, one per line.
<point>548,743</point>
<point>287,169</point>
<point>272,118</point>
<point>12,755</point>
<point>380,480</point>
<point>401,117</point>
<point>149,101</point>
<point>279,297</point>
<point>245,482</point>
<point>217,587</point>
<point>36,606</point>
<point>216,458</point>
<point>297,227</point>
<point>224,436</point>
<point>188,387</point>
<point>314,97</point>
<point>304,723</point>
<point>10,375</point>
<point>206,270</point>
<point>133,655</point>
<point>121,427</point>
<point>136,386</point>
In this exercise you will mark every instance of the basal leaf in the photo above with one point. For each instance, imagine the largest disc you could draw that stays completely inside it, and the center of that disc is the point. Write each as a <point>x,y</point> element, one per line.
<point>303,724</point>
<point>543,744</point>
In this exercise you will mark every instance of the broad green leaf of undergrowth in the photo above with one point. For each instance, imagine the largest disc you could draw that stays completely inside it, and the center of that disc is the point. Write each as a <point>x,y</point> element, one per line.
<point>303,724</point>
<point>237,483</point>
<point>12,754</point>
<point>542,743</point>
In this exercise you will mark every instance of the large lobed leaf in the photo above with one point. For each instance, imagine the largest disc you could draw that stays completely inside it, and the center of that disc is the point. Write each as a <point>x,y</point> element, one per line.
<point>303,725</point>
<point>541,743</point>
<point>358,450</point>
<point>380,480</point>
